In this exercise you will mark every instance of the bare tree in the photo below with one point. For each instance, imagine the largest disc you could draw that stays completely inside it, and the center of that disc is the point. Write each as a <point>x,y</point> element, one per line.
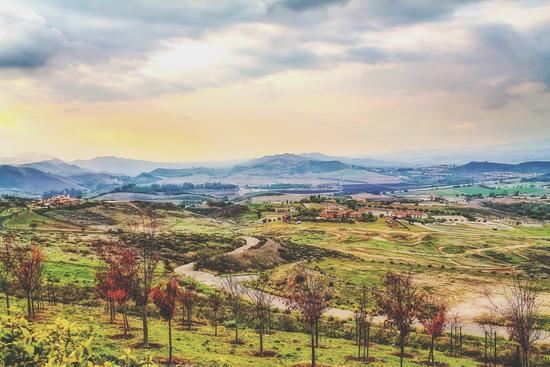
<point>399,300</point>
<point>308,293</point>
<point>488,324</point>
<point>262,302</point>
<point>363,322</point>
<point>216,310</point>
<point>188,299</point>
<point>235,292</point>
<point>520,309</point>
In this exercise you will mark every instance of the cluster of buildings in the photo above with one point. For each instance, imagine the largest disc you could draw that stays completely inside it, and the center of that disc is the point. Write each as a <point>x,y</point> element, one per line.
<point>336,212</point>
<point>58,200</point>
<point>339,213</point>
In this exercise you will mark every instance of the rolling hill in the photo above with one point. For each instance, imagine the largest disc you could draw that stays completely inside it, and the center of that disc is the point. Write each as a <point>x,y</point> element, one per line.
<point>31,180</point>
<point>540,167</point>
<point>286,164</point>
<point>56,167</point>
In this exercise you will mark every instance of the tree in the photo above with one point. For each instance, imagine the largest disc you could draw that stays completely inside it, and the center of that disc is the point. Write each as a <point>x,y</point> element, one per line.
<point>433,317</point>
<point>308,293</point>
<point>520,309</point>
<point>363,321</point>
<point>28,270</point>
<point>235,292</point>
<point>141,238</point>
<point>103,288</point>
<point>6,267</point>
<point>262,302</point>
<point>399,300</point>
<point>119,281</point>
<point>215,310</point>
<point>188,299</point>
<point>165,297</point>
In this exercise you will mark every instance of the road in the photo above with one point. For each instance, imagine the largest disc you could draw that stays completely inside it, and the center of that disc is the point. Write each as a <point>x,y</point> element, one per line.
<point>280,303</point>
<point>219,282</point>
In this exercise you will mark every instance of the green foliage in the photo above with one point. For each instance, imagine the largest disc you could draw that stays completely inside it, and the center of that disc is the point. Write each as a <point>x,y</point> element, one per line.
<point>61,344</point>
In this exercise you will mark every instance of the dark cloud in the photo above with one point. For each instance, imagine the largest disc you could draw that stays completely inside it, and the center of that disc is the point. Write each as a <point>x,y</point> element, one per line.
<point>98,50</point>
<point>369,55</point>
<point>301,5</point>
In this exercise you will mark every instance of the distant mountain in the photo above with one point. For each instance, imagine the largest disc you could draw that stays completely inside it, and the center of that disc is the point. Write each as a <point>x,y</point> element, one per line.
<point>356,161</point>
<point>286,164</point>
<point>32,180</point>
<point>525,167</point>
<point>512,153</point>
<point>183,172</point>
<point>23,158</point>
<point>134,167</point>
<point>57,167</point>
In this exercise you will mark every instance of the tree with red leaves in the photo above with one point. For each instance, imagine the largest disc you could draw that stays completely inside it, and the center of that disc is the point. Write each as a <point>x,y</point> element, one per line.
<point>28,271</point>
<point>165,297</point>
<point>189,297</point>
<point>399,300</point>
<point>119,281</point>
<point>7,261</point>
<point>308,293</point>
<point>433,317</point>
<point>103,287</point>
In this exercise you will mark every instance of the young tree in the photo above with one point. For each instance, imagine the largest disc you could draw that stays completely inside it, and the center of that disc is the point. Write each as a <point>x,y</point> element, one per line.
<point>235,292</point>
<point>189,297</point>
<point>7,252</point>
<point>262,302</point>
<point>103,289</point>
<point>28,270</point>
<point>363,321</point>
<point>119,281</point>
<point>521,310</point>
<point>216,310</point>
<point>141,238</point>
<point>165,297</point>
<point>308,293</point>
<point>399,300</point>
<point>433,317</point>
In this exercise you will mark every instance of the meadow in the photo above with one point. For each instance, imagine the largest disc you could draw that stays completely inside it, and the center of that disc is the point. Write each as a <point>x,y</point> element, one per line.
<point>454,262</point>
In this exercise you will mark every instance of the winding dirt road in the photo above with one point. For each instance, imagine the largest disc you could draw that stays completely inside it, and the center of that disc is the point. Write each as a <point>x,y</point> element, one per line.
<point>468,309</point>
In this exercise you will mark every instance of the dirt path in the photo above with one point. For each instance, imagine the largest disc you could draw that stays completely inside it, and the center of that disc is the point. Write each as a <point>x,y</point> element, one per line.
<point>468,309</point>
<point>219,282</point>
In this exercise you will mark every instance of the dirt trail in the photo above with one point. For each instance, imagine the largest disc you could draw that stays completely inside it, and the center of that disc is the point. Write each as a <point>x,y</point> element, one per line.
<point>469,309</point>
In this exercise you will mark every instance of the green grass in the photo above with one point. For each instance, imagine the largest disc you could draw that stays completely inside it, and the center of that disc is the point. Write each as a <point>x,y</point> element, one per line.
<point>486,191</point>
<point>202,349</point>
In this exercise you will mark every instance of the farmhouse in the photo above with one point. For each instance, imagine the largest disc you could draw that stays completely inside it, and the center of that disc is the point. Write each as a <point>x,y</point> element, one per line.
<point>339,213</point>
<point>58,200</point>
<point>408,214</point>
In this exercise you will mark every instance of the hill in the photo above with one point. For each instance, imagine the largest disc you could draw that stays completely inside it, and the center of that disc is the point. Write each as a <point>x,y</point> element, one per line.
<point>286,164</point>
<point>32,180</point>
<point>540,167</point>
<point>56,167</point>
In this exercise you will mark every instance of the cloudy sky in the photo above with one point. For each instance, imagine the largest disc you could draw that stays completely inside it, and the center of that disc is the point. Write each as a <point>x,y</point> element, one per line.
<point>198,80</point>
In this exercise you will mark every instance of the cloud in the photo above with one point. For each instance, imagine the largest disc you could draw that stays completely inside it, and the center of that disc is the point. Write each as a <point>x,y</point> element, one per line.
<point>301,5</point>
<point>466,126</point>
<point>104,50</point>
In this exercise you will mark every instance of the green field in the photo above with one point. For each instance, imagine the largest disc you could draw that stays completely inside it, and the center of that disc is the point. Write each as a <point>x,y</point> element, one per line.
<point>455,262</point>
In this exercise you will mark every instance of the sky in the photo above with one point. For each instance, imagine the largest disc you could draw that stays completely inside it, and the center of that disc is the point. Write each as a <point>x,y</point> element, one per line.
<point>178,80</point>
